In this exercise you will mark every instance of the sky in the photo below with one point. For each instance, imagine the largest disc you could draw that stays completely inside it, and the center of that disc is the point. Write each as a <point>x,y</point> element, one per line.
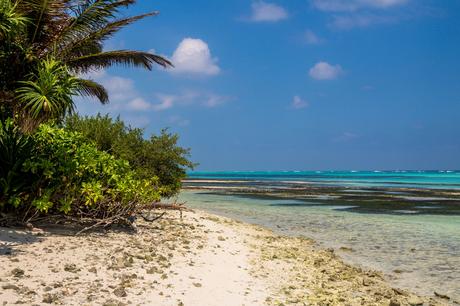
<point>296,84</point>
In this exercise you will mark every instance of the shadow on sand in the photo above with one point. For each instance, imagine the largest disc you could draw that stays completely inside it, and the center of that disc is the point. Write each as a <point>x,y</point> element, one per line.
<point>10,238</point>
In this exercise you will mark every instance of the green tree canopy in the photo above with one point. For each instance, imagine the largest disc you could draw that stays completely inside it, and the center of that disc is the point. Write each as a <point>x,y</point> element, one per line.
<point>160,155</point>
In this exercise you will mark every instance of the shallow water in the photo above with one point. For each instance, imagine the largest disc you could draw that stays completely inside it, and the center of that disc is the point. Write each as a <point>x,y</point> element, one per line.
<point>417,251</point>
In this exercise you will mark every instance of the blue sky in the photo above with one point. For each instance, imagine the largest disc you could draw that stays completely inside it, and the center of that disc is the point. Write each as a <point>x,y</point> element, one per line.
<point>298,84</point>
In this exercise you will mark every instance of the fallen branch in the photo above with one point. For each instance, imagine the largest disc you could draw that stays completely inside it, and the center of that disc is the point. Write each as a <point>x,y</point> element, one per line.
<point>154,219</point>
<point>172,206</point>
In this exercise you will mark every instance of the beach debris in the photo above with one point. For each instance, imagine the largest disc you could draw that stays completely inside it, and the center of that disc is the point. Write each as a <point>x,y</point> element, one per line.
<point>399,291</point>
<point>112,302</point>
<point>10,287</point>
<point>415,301</point>
<point>16,272</point>
<point>49,298</point>
<point>120,292</point>
<point>91,298</point>
<point>71,268</point>
<point>441,295</point>
<point>394,303</point>
<point>92,270</point>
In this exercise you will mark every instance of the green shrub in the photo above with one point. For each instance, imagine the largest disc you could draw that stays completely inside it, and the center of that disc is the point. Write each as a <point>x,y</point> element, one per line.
<point>15,149</point>
<point>159,156</point>
<point>69,175</point>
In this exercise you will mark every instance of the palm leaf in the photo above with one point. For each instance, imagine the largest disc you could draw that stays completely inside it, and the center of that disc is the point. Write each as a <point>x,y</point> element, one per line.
<point>92,89</point>
<point>89,16</point>
<point>121,57</point>
<point>74,46</point>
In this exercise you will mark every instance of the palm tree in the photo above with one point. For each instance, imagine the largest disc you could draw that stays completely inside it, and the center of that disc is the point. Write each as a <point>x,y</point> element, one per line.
<point>39,38</point>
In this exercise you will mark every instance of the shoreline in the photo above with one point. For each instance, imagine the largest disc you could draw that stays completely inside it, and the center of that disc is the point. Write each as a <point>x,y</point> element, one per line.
<point>203,259</point>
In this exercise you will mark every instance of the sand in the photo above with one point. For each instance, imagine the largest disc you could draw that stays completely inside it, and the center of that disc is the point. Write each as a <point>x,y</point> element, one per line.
<point>200,259</point>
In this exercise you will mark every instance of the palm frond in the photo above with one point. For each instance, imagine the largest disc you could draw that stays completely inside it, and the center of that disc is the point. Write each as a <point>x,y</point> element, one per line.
<point>47,18</point>
<point>11,20</point>
<point>91,88</point>
<point>121,57</point>
<point>90,16</point>
<point>72,47</point>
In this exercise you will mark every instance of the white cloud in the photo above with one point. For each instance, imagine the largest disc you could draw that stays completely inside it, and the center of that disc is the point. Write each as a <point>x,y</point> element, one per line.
<point>360,21</point>
<point>124,96</point>
<point>311,38</point>
<point>298,103</point>
<point>139,104</point>
<point>166,102</point>
<point>354,5</point>
<point>267,12</point>
<point>193,56</point>
<point>325,71</point>
<point>119,88</point>
<point>348,14</point>
<point>213,100</point>
<point>346,137</point>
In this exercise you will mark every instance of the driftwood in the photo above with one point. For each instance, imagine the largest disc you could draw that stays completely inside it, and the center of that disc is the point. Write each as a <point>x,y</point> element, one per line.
<point>118,213</point>
<point>172,206</point>
<point>131,213</point>
<point>152,219</point>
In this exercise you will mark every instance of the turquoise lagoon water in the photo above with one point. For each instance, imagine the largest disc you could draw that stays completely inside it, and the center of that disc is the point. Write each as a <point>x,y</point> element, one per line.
<point>406,224</point>
<point>398,178</point>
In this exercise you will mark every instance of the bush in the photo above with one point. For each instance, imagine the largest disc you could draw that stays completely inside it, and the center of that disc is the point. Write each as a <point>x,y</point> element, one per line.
<point>66,174</point>
<point>159,156</point>
<point>15,149</point>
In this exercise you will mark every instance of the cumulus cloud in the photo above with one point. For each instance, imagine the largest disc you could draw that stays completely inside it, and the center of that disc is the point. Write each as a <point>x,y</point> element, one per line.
<point>325,71</point>
<point>139,104</point>
<point>124,96</point>
<point>122,91</point>
<point>166,102</point>
<point>267,12</point>
<point>354,5</point>
<point>119,88</point>
<point>298,103</point>
<point>193,56</point>
<point>311,38</point>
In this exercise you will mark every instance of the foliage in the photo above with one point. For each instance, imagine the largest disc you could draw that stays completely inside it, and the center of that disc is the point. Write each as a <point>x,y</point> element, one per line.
<point>46,48</point>
<point>70,33</point>
<point>160,155</point>
<point>67,175</point>
<point>11,22</point>
<point>48,93</point>
<point>15,150</point>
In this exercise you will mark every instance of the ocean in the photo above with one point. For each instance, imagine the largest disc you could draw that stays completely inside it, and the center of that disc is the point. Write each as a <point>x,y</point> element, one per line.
<point>404,223</point>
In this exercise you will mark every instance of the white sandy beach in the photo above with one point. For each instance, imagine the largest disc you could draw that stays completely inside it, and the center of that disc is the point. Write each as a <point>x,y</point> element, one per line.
<point>198,260</point>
